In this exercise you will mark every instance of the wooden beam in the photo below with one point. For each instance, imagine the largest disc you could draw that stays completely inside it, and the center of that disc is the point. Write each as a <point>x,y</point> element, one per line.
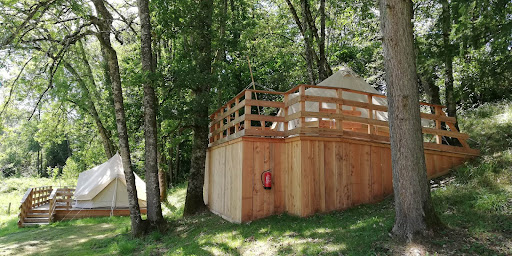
<point>265,118</point>
<point>264,103</point>
<point>445,133</point>
<point>227,113</point>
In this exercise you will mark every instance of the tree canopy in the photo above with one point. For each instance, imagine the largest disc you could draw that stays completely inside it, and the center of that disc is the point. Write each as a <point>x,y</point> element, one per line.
<point>59,115</point>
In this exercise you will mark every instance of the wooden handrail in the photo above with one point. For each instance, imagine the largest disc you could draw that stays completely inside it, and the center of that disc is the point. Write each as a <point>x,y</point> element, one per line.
<point>52,201</point>
<point>33,197</point>
<point>25,206</point>
<point>234,119</point>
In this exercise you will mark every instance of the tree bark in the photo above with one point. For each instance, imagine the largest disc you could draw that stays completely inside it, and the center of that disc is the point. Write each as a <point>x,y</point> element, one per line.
<point>322,65</point>
<point>177,165</point>
<point>308,45</point>
<point>413,206</point>
<point>105,25</point>
<point>451,104</point>
<point>170,172</point>
<point>202,53</point>
<point>162,175</point>
<point>430,88</point>
<point>154,207</point>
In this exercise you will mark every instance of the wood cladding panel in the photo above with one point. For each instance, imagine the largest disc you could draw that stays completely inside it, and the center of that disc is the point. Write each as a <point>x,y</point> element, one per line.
<point>309,175</point>
<point>376,168</point>
<point>224,181</point>
<point>247,184</point>
<point>329,176</point>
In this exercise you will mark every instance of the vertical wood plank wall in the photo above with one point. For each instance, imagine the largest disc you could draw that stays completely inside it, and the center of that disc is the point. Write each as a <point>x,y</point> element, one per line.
<point>309,175</point>
<point>223,181</point>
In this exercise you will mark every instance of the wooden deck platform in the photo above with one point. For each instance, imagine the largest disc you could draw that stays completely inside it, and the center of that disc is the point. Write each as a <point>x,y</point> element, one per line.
<point>62,213</point>
<point>44,205</point>
<point>329,159</point>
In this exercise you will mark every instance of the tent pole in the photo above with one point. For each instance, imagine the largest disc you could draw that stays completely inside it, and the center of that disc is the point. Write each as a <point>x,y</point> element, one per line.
<point>114,197</point>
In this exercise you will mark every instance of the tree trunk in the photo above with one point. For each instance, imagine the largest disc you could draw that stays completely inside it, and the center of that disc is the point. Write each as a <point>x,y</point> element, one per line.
<point>322,65</point>
<point>155,217</point>
<point>430,88</point>
<point>177,165</point>
<point>309,33</point>
<point>451,104</point>
<point>202,53</point>
<point>162,175</point>
<point>105,26</point>
<point>413,206</point>
<point>308,45</point>
<point>108,146</point>
<point>170,178</point>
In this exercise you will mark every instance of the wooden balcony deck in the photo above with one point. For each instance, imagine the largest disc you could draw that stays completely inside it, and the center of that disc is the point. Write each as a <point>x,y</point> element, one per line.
<point>257,113</point>
<point>325,152</point>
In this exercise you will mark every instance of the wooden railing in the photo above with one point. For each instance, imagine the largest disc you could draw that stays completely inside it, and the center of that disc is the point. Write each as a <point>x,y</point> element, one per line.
<point>33,197</point>
<point>269,114</point>
<point>64,196</point>
<point>54,197</point>
<point>61,198</point>
<point>52,204</point>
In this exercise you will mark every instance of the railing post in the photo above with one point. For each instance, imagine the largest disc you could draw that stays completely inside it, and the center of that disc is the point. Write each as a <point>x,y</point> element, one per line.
<point>247,110</point>
<point>370,113</point>
<point>339,110</point>
<point>228,107</point>
<point>285,111</point>
<point>438,110</point>
<point>211,127</point>
<point>237,115</point>
<point>221,124</point>
<point>302,95</point>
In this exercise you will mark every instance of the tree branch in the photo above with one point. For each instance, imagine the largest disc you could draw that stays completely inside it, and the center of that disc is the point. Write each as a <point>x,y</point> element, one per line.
<point>13,84</point>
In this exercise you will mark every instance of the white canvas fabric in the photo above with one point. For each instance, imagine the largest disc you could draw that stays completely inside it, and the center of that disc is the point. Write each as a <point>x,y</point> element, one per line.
<point>105,186</point>
<point>344,78</point>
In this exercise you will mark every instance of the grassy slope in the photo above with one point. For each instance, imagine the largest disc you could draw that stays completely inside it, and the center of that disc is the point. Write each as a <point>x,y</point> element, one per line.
<point>475,203</point>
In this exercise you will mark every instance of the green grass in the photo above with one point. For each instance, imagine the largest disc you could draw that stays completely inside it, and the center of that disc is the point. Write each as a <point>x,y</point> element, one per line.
<point>475,204</point>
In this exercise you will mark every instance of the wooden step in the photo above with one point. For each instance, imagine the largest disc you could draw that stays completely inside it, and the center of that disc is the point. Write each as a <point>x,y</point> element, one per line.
<point>38,211</point>
<point>37,215</point>
<point>36,220</point>
<point>33,224</point>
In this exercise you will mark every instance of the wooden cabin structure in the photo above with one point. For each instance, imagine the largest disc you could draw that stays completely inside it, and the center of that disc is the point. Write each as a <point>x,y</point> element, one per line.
<point>43,205</point>
<point>331,159</point>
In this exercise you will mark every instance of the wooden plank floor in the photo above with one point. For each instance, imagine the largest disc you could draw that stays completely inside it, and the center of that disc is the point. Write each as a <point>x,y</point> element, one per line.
<point>78,213</point>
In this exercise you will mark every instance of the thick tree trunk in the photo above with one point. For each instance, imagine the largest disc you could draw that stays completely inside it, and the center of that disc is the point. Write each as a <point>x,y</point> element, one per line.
<point>413,206</point>
<point>202,53</point>
<point>430,88</point>
<point>194,202</point>
<point>451,104</point>
<point>308,45</point>
<point>154,207</point>
<point>105,24</point>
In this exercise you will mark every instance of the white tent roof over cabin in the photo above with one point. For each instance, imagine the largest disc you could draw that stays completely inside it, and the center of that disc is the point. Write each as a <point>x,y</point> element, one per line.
<point>344,78</point>
<point>348,79</point>
<point>105,186</point>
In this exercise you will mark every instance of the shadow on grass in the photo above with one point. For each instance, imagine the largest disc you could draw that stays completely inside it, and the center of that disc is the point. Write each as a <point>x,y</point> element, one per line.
<point>479,219</point>
<point>353,231</point>
<point>79,237</point>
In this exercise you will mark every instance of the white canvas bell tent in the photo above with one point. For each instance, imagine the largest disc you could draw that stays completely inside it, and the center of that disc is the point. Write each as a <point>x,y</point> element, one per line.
<point>105,186</point>
<point>344,78</point>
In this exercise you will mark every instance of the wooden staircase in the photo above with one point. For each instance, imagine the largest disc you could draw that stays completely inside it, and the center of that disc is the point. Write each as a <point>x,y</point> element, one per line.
<point>36,217</point>
<point>39,205</point>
